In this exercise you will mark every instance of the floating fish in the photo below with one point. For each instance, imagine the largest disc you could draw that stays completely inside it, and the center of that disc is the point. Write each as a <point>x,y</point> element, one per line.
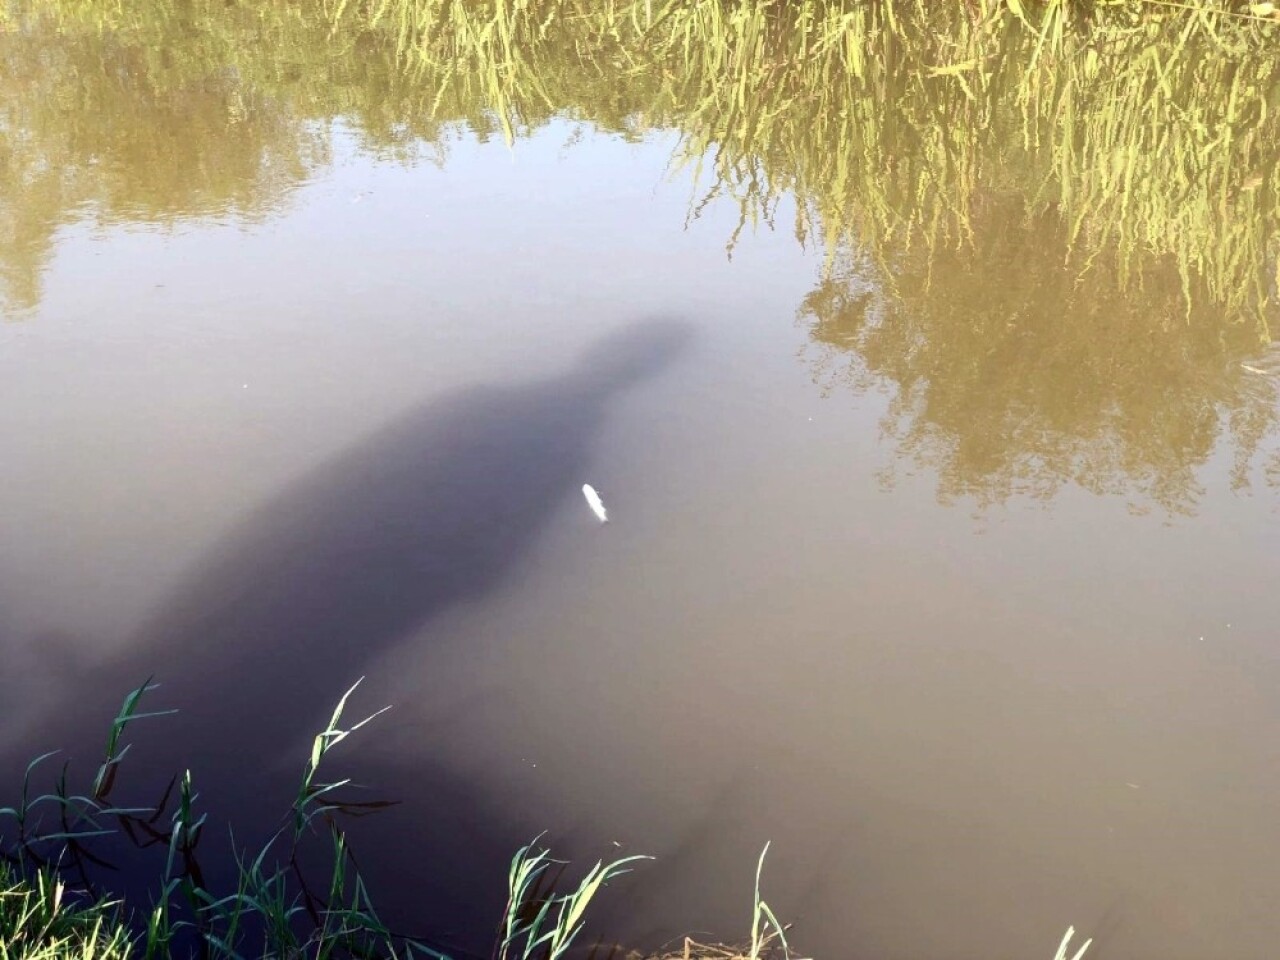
<point>594,502</point>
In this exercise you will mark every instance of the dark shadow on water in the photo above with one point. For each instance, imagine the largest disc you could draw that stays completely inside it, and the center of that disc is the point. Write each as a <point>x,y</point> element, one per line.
<point>436,508</point>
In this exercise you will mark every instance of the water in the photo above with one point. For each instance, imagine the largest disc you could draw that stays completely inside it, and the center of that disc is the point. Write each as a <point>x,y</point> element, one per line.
<point>957,589</point>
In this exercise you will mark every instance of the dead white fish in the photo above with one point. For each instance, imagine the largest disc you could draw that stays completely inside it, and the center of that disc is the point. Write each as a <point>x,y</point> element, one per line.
<point>594,502</point>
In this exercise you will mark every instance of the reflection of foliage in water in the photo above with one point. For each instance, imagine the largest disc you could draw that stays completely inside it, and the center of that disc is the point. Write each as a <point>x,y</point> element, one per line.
<point>1013,378</point>
<point>964,161</point>
<point>1055,238</point>
<point>167,111</point>
<point>1150,130</point>
<point>125,126</point>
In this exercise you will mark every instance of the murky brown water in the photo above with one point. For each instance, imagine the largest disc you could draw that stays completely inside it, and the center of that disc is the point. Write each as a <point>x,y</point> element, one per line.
<point>955,583</point>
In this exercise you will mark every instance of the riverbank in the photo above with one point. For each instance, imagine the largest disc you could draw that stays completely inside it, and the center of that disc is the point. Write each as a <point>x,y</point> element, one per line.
<point>60,849</point>
<point>56,902</point>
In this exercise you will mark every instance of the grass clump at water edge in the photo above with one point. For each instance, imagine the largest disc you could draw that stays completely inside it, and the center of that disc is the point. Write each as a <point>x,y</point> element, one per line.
<point>57,844</point>
<point>39,922</point>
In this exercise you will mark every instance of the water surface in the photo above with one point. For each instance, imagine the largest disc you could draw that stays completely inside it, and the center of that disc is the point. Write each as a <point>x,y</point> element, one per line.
<point>940,562</point>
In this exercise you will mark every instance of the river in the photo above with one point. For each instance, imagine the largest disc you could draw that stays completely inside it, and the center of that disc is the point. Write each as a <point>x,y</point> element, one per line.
<point>947,572</point>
